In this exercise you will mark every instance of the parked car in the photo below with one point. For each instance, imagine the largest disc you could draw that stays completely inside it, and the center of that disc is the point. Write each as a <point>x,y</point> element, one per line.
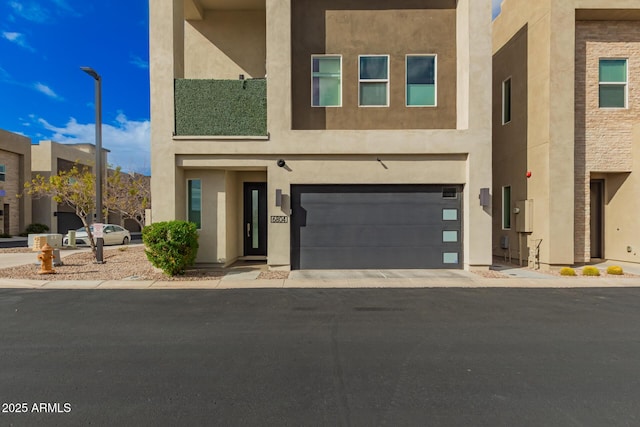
<point>112,235</point>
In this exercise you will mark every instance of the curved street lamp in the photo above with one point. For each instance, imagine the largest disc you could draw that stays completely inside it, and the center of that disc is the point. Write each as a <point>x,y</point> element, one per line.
<point>98,170</point>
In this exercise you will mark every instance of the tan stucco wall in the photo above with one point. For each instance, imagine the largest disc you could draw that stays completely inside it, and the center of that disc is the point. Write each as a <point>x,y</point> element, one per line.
<point>225,44</point>
<point>604,137</point>
<point>551,103</point>
<point>15,154</point>
<point>445,156</point>
<point>510,143</point>
<point>351,33</point>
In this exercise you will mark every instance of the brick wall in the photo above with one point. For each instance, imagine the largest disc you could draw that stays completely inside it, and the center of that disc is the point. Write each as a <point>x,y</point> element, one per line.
<point>11,187</point>
<point>603,137</point>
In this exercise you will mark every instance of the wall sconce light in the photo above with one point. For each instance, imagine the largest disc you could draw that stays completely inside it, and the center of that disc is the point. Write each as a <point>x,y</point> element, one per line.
<point>281,163</point>
<point>278,197</point>
<point>485,197</point>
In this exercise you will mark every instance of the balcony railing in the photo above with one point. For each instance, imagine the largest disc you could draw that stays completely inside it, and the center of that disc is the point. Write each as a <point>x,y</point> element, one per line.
<point>221,107</point>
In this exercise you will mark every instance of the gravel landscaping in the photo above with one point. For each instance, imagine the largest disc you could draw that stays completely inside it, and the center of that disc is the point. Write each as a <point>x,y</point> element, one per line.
<point>122,263</point>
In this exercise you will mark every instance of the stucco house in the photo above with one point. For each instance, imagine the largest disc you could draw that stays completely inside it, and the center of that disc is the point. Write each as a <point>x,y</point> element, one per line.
<point>301,133</point>
<point>49,158</point>
<point>15,170</point>
<point>566,131</point>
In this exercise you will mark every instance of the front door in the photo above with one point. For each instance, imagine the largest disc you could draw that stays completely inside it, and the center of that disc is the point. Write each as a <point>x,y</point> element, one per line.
<point>597,218</point>
<point>6,226</point>
<point>255,219</point>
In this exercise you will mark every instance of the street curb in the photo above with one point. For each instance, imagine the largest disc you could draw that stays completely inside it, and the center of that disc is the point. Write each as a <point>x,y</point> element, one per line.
<point>472,282</point>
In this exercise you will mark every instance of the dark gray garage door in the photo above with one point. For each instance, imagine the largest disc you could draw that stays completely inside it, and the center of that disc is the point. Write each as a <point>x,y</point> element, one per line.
<point>376,226</point>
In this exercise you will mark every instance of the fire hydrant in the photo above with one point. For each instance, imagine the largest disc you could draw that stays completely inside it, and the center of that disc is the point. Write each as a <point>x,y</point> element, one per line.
<point>47,260</point>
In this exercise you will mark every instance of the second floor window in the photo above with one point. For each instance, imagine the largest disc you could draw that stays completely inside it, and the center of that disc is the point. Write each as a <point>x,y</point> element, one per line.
<point>613,83</point>
<point>326,81</point>
<point>2,173</point>
<point>374,81</point>
<point>421,80</point>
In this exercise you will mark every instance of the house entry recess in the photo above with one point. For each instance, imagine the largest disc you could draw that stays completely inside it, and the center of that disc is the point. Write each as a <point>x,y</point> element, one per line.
<point>376,226</point>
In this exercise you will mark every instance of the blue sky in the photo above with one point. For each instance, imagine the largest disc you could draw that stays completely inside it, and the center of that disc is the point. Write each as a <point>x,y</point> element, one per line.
<point>45,95</point>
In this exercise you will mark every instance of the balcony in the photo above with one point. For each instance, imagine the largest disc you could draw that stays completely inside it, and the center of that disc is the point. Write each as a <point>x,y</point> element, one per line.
<point>221,107</point>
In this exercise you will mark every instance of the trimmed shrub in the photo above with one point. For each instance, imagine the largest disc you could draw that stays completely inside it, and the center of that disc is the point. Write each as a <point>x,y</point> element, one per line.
<point>615,270</point>
<point>590,270</point>
<point>36,228</point>
<point>567,271</point>
<point>171,246</point>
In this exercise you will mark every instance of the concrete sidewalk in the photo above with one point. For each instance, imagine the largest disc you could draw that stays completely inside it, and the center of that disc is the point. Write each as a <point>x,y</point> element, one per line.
<point>344,280</point>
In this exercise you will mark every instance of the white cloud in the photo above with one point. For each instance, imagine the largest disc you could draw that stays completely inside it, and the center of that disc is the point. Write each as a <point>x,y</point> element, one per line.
<point>65,7</point>
<point>139,62</point>
<point>4,75</point>
<point>46,90</point>
<point>128,140</point>
<point>30,11</point>
<point>18,39</point>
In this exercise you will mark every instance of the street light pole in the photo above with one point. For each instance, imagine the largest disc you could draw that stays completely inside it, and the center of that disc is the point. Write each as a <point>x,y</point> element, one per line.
<point>98,169</point>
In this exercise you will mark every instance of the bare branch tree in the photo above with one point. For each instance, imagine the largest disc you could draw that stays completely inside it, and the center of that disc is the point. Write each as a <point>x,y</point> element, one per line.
<point>128,195</point>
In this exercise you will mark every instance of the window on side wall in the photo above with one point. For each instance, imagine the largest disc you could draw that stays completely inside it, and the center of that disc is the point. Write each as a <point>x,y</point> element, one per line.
<point>373,81</point>
<point>506,101</point>
<point>421,80</point>
<point>194,202</point>
<point>2,173</point>
<point>506,208</point>
<point>326,81</point>
<point>613,83</point>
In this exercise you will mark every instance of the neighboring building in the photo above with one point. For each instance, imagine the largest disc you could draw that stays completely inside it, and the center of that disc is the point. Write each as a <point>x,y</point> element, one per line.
<point>15,170</point>
<point>49,158</point>
<point>566,108</point>
<point>325,134</point>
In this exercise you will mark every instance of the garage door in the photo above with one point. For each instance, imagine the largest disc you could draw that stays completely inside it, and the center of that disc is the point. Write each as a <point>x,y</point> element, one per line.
<point>376,226</point>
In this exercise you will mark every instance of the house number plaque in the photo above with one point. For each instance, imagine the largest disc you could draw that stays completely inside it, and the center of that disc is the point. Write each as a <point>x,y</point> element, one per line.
<point>279,219</point>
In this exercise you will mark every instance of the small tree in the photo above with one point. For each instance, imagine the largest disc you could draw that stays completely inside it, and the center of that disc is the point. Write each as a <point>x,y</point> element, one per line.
<point>75,188</point>
<point>129,195</point>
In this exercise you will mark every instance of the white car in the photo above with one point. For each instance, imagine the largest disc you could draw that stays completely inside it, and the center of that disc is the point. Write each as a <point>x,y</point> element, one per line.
<point>112,235</point>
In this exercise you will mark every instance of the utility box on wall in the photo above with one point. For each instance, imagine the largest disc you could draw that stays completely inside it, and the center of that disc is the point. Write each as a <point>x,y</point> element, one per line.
<point>524,216</point>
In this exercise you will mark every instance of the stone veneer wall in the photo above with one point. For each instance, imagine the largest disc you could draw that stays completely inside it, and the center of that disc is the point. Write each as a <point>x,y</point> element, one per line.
<point>603,137</point>
<point>11,187</point>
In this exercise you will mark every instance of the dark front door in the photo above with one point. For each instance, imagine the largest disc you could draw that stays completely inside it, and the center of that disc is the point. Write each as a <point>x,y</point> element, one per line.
<point>597,218</point>
<point>255,218</point>
<point>6,226</point>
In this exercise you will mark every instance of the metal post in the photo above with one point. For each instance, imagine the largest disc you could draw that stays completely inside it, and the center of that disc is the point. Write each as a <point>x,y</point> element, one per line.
<point>98,168</point>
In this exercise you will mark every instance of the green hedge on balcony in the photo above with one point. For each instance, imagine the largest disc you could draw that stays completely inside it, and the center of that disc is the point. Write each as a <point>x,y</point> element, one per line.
<point>221,107</point>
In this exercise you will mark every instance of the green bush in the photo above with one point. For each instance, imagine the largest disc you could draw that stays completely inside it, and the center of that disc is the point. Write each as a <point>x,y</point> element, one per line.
<point>36,228</point>
<point>615,270</point>
<point>5,235</point>
<point>171,246</point>
<point>590,270</point>
<point>567,271</point>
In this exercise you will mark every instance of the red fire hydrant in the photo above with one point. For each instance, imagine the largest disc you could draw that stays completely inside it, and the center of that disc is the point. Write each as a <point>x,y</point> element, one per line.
<point>47,260</point>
